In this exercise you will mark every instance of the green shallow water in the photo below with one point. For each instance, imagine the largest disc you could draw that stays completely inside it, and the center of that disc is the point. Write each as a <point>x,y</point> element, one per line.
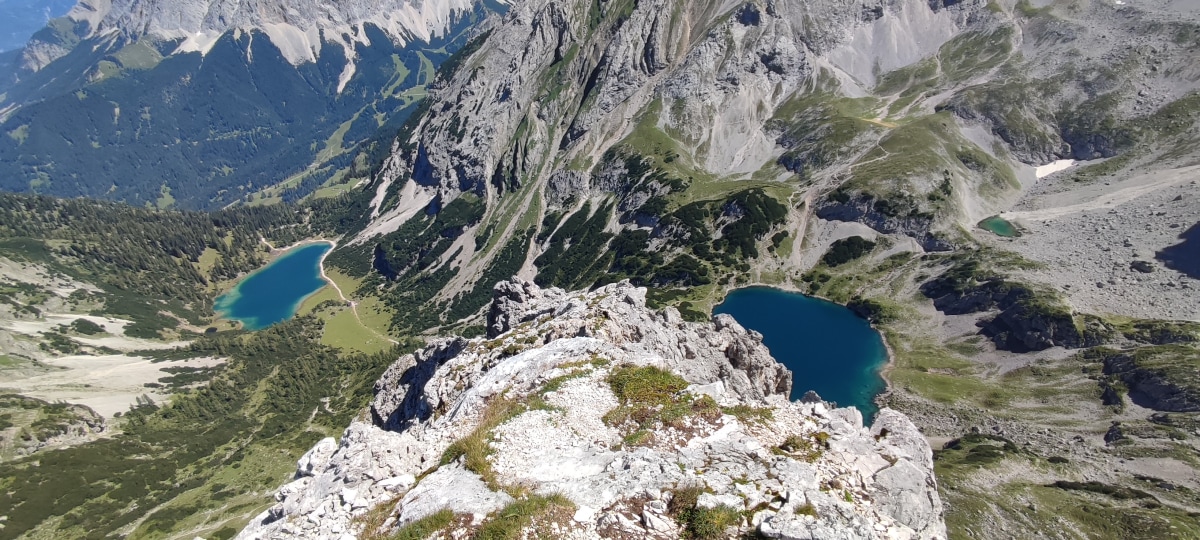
<point>828,348</point>
<point>273,294</point>
<point>1000,227</point>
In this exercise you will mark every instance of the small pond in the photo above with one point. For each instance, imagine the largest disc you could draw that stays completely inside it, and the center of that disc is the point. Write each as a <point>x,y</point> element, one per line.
<point>1000,227</point>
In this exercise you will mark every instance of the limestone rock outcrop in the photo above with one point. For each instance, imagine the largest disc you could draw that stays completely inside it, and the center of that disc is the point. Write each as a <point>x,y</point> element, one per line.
<point>543,407</point>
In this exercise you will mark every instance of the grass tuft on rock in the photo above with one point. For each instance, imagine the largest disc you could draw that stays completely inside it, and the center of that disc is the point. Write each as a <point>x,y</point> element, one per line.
<point>700,523</point>
<point>747,414</point>
<point>425,527</point>
<point>509,522</point>
<point>474,448</point>
<point>651,396</point>
<point>809,448</point>
<point>645,385</point>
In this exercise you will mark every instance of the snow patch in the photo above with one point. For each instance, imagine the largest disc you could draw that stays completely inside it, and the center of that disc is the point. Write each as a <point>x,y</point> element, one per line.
<point>200,42</point>
<point>1051,168</point>
<point>413,199</point>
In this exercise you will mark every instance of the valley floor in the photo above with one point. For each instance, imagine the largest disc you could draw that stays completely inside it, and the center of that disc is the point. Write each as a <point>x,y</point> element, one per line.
<point>1089,238</point>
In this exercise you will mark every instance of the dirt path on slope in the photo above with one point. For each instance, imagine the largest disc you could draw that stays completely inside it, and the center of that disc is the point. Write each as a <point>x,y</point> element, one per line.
<point>1111,197</point>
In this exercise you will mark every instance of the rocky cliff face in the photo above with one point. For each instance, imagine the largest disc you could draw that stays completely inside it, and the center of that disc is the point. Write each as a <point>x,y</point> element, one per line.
<point>564,82</point>
<point>923,116</point>
<point>1163,378</point>
<point>617,422</point>
<point>656,121</point>
<point>298,29</point>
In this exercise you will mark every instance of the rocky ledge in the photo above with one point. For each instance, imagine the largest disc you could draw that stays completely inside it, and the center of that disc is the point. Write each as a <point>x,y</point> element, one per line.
<point>588,415</point>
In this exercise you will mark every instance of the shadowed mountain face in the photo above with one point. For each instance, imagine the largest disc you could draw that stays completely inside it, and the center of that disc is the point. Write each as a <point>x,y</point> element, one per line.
<point>202,132</point>
<point>1184,256</point>
<point>19,19</point>
<point>204,119</point>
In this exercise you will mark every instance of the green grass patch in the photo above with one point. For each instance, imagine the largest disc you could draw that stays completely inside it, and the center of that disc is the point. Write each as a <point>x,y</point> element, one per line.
<point>1027,10</point>
<point>139,55</point>
<point>750,415</point>
<point>320,301</point>
<point>165,200</point>
<point>425,527</point>
<point>932,371</point>
<point>553,385</point>
<point>344,331</point>
<point>207,261</point>
<point>972,513</point>
<point>231,497</point>
<point>20,134</point>
<point>650,396</point>
<point>700,523</point>
<point>646,385</point>
<point>509,522</point>
<point>1091,172</point>
<point>909,150</point>
<point>401,73</point>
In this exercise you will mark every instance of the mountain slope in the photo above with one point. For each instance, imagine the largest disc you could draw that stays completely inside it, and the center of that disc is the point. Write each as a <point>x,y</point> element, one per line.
<point>669,119</point>
<point>697,147</point>
<point>114,91</point>
<point>299,29</point>
<point>680,111</point>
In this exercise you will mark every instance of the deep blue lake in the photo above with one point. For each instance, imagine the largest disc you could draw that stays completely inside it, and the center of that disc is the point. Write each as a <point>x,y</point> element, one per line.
<point>273,293</point>
<point>828,348</point>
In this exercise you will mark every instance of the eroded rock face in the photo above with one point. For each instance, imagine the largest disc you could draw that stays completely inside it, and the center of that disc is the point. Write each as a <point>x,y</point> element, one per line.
<point>863,209</point>
<point>721,351</point>
<point>548,88</point>
<point>538,395</point>
<point>1152,387</point>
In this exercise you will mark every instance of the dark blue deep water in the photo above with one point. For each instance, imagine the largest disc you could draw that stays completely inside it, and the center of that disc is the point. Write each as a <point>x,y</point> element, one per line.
<point>273,294</point>
<point>828,348</point>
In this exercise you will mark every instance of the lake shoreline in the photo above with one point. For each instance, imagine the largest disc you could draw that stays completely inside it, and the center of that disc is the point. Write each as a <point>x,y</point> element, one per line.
<point>885,370</point>
<point>274,253</point>
<point>824,343</point>
<point>226,314</point>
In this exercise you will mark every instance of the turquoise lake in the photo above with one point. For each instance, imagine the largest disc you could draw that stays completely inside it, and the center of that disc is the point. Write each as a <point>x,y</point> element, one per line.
<point>272,294</point>
<point>1000,227</point>
<point>828,348</point>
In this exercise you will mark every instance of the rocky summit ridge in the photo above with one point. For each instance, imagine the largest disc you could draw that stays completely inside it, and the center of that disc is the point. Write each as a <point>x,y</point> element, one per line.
<point>589,415</point>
